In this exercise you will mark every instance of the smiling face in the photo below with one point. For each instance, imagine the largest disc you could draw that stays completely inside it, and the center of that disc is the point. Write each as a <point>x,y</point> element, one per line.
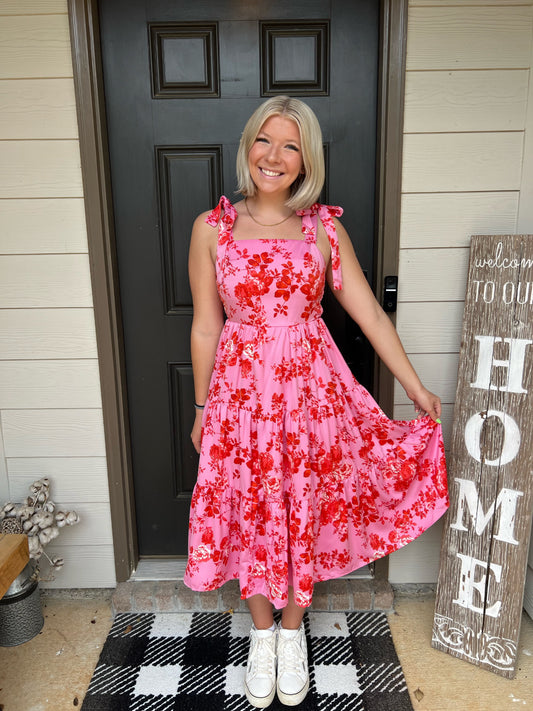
<point>275,159</point>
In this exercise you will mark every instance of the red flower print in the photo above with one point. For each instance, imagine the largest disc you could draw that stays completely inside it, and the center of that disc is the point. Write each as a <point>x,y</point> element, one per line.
<point>297,458</point>
<point>240,396</point>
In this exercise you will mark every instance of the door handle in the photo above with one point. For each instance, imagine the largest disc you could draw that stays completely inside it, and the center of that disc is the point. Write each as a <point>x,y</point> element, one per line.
<point>390,294</point>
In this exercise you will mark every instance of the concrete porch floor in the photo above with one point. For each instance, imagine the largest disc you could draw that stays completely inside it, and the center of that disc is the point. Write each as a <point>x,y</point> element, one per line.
<point>53,670</point>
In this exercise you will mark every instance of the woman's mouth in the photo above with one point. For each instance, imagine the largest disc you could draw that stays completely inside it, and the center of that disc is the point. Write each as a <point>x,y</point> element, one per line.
<point>270,173</point>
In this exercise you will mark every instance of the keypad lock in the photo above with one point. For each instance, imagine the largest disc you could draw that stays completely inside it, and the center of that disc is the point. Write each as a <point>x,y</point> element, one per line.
<point>390,294</point>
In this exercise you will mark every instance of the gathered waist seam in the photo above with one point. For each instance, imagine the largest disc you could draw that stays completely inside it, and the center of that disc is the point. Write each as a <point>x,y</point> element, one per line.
<point>277,325</point>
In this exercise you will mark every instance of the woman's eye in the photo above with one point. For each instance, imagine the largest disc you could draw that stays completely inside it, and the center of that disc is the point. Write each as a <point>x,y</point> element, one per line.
<point>292,148</point>
<point>260,139</point>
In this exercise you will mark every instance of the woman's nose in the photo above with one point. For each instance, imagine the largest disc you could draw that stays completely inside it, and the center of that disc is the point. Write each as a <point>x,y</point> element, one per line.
<point>273,153</point>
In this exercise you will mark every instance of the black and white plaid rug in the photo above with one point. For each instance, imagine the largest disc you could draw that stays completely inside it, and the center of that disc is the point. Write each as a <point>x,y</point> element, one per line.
<point>196,662</point>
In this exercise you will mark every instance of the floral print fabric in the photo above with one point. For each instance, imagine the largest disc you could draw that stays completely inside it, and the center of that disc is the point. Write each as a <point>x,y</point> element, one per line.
<point>302,477</point>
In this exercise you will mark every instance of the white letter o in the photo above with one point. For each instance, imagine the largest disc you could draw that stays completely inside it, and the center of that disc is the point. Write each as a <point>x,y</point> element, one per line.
<point>511,440</point>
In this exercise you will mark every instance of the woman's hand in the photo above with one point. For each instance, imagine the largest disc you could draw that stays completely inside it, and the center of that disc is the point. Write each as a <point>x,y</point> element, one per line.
<point>196,434</point>
<point>426,402</point>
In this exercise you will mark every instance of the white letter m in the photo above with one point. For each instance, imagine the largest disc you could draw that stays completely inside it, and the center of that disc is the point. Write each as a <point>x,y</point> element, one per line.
<point>506,501</point>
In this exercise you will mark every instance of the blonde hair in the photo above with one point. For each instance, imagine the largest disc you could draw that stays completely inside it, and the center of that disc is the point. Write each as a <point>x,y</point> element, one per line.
<point>306,188</point>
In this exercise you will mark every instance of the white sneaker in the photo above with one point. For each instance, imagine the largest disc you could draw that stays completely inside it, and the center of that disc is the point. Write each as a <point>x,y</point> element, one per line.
<point>293,673</point>
<point>260,682</point>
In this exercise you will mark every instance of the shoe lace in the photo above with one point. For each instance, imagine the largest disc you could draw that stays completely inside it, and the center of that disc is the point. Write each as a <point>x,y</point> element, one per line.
<point>263,657</point>
<point>290,656</point>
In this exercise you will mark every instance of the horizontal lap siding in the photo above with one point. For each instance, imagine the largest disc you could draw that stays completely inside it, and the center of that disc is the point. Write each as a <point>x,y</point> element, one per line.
<point>28,334</point>
<point>469,37</point>
<point>40,169</point>
<point>43,226</point>
<point>50,403</point>
<point>49,384</point>
<point>484,100</point>
<point>455,216</point>
<point>34,46</point>
<point>45,281</point>
<point>51,103</point>
<point>32,7</point>
<point>461,162</point>
<point>76,479</point>
<point>467,98</point>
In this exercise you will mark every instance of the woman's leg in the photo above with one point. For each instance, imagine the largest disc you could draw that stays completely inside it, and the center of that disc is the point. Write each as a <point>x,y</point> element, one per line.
<point>292,615</point>
<point>261,611</point>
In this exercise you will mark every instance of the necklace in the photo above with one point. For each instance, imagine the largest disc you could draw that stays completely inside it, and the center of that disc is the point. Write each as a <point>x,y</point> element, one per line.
<point>274,224</point>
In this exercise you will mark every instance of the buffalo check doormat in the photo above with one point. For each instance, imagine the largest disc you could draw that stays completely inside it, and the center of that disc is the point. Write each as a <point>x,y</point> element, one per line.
<point>197,662</point>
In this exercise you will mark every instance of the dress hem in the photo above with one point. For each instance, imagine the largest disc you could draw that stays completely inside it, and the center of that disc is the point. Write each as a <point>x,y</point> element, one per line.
<point>332,574</point>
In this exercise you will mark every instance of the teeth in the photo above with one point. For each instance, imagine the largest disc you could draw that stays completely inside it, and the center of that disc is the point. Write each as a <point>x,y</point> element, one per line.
<point>270,173</point>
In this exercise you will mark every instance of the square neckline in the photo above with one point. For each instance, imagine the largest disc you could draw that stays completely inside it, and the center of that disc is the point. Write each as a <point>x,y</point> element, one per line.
<point>303,237</point>
<point>225,214</point>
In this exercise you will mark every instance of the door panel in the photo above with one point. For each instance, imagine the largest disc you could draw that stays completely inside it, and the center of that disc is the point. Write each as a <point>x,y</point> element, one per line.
<point>181,79</point>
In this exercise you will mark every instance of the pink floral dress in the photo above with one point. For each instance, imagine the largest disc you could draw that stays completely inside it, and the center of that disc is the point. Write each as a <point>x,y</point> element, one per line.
<point>302,477</point>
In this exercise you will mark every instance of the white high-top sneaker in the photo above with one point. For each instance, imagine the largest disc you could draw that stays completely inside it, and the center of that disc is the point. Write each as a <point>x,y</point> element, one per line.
<point>293,673</point>
<point>260,682</point>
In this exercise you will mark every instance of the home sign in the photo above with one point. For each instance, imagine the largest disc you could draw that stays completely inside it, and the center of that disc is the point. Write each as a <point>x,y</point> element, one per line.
<point>490,461</point>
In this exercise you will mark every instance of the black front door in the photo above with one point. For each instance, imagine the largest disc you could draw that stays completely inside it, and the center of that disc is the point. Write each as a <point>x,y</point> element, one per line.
<point>181,79</point>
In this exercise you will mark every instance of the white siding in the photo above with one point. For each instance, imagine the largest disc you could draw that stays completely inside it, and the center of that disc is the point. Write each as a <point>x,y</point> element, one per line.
<point>50,405</point>
<point>42,226</point>
<point>468,118</point>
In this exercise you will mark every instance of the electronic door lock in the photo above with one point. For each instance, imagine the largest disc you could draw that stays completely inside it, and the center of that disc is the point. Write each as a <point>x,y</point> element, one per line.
<point>390,294</point>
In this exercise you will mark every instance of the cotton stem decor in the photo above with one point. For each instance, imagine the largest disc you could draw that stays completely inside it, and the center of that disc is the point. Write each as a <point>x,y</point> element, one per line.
<point>37,516</point>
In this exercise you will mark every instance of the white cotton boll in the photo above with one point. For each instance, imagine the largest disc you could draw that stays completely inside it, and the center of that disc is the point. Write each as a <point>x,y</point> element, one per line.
<point>57,562</point>
<point>72,518</point>
<point>45,536</point>
<point>61,519</point>
<point>49,507</point>
<point>34,546</point>
<point>37,518</point>
<point>25,513</point>
<point>46,520</point>
<point>53,531</point>
<point>41,498</point>
<point>27,526</point>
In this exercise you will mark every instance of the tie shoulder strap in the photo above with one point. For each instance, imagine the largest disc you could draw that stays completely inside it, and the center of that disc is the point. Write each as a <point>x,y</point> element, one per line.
<point>224,216</point>
<point>326,213</point>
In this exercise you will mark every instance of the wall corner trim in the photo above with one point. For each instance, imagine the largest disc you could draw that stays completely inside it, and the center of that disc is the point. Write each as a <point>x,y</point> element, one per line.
<point>88,82</point>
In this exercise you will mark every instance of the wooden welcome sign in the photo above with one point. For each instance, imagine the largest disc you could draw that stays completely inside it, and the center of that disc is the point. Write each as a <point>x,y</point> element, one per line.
<point>490,461</point>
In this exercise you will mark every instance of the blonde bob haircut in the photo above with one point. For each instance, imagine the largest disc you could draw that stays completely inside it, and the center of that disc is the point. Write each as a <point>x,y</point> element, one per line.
<point>306,188</point>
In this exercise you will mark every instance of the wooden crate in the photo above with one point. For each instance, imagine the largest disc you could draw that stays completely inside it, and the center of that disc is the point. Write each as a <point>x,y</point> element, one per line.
<point>14,556</point>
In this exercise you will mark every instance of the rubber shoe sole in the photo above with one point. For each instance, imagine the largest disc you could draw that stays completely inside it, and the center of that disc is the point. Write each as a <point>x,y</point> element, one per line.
<point>293,699</point>
<point>259,702</point>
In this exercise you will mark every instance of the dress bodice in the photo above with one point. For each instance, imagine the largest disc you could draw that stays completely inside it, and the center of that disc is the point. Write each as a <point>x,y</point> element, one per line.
<point>274,282</point>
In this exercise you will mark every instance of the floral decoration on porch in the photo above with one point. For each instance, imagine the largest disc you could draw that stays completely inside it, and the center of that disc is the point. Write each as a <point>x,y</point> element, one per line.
<point>40,519</point>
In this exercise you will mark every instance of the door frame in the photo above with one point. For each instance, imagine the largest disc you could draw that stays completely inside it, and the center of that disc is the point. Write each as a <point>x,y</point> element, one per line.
<point>88,83</point>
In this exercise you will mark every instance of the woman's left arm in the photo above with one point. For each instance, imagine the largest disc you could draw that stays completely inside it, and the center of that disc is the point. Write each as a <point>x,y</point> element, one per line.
<point>357,298</point>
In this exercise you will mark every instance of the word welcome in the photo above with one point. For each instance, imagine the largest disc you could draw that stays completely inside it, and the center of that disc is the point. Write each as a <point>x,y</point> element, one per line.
<point>499,262</point>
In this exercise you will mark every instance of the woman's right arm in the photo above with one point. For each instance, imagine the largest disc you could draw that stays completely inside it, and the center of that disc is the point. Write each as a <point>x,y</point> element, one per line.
<point>208,318</point>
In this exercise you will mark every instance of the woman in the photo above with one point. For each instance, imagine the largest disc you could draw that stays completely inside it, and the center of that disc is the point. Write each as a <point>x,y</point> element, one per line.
<point>302,477</point>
